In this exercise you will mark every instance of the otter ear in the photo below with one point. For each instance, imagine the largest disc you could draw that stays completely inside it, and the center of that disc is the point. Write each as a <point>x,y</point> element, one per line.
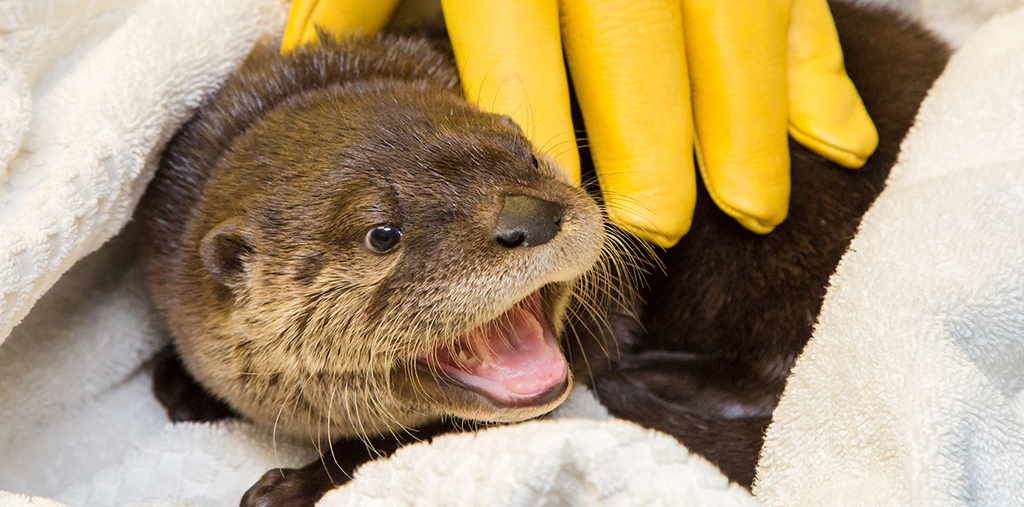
<point>227,251</point>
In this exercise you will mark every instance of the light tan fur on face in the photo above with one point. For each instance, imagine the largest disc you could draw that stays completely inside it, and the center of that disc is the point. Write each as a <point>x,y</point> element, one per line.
<point>258,259</point>
<point>346,373</point>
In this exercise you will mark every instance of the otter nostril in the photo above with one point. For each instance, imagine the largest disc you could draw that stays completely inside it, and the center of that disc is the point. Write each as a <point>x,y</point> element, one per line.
<point>510,239</point>
<point>527,221</point>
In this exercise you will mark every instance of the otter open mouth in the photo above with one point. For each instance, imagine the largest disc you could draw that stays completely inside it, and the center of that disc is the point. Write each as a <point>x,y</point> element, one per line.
<point>512,361</point>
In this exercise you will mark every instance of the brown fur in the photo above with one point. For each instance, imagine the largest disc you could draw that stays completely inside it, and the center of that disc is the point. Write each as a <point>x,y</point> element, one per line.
<point>257,217</point>
<point>295,159</point>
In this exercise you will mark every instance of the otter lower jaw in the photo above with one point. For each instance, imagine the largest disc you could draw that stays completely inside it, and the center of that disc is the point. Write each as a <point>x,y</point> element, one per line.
<point>511,362</point>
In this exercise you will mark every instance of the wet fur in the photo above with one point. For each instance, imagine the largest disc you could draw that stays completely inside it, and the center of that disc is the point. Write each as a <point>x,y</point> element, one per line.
<point>701,350</point>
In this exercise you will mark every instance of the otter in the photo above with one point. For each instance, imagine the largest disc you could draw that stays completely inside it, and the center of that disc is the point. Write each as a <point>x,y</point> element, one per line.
<point>340,243</point>
<point>343,248</point>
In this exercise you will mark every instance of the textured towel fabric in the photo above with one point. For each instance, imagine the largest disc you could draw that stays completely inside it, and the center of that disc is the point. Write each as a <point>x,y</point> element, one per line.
<point>910,391</point>
<point>562,462</point>
<point>908,394</point>
<point>90,91</point>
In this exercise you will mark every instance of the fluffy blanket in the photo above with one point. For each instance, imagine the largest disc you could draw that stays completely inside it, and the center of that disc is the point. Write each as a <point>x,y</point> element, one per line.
<point>90,92</point>
<point>910,391</point>
<point>907,394</point>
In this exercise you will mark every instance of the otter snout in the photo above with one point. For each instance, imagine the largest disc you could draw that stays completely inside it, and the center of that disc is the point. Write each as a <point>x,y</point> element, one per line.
<point>527,221</point>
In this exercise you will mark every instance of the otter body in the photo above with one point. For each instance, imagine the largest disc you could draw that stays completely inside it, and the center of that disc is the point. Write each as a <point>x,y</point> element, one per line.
<point>704,351</point>
<point>342,246</point>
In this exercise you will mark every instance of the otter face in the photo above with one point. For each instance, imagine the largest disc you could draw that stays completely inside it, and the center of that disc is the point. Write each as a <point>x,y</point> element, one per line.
<point>382,254</point>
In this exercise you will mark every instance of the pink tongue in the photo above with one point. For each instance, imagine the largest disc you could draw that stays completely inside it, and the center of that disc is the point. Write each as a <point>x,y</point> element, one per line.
<point>512,358</point>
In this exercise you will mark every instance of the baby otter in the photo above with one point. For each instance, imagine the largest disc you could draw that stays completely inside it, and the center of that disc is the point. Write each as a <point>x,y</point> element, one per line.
<point>342,246</point>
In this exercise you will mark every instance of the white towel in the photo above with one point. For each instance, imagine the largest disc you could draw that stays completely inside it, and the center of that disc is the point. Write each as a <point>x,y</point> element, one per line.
<point>910,391</point>
<point>908,394</point>
<point>90,90</point>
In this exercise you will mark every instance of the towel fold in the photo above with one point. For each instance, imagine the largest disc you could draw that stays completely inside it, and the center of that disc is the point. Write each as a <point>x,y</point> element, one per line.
<point>90,90</point>
<point>106,84</point>
<point>910,391</point>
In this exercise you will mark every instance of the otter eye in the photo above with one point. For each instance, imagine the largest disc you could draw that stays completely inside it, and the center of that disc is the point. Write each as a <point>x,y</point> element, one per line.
<point>383,238</point>
<point>534,162</point>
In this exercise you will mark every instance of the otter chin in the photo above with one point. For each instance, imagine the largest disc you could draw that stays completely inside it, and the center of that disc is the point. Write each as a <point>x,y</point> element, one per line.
<point>341,245</point>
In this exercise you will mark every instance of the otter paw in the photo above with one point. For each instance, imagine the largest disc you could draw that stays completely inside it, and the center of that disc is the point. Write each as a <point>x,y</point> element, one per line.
<point>181,395</point>
<point>287,487</point>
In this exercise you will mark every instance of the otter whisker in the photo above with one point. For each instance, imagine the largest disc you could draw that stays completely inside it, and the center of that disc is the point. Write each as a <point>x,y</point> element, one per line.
<point>321,454</point>
<point>330,410</point>
<point>579,341</point>
<point>591,308</point>
<point>309,426</point>
<point>273,437</point>
<point>552,145</point>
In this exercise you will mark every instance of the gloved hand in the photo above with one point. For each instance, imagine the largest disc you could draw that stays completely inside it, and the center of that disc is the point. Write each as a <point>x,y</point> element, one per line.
<point>336,16</point>
<point>753,70</point>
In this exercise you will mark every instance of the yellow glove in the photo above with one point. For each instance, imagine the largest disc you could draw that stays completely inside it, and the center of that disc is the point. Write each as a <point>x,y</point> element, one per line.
<point>756,70</point>
<point>338,16</point>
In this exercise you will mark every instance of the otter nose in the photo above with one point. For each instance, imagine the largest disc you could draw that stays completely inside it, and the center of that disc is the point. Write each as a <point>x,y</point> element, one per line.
<point>527,221</point>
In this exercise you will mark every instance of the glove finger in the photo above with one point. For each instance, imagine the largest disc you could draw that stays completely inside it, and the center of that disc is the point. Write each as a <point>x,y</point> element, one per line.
<point>509,55</point>
<point>737,56</point>
<point>336,16</point>
<point>825,112</point>
<point>629,71</point>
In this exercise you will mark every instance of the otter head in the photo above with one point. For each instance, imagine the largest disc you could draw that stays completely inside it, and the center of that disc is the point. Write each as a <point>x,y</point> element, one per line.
<point>378,254</point>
